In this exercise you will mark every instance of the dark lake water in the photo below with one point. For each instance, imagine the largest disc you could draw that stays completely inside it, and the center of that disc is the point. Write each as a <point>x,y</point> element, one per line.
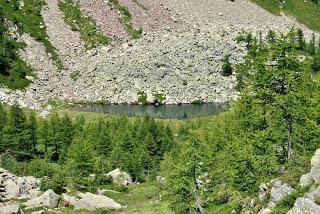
<point>183,111</point>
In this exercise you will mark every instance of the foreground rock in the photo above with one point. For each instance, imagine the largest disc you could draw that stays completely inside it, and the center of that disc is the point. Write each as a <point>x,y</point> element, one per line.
<point>120,177</point>
<point>47,199</point>
<point>10,208</point>
<point>312,177</point>
<point>304,206</point>
<point>14,187</point>
<point>278,192</point>
<point>93,202</point>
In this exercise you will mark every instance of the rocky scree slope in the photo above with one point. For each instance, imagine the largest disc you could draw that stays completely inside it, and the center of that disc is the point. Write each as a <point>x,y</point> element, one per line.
<point>179,54</point>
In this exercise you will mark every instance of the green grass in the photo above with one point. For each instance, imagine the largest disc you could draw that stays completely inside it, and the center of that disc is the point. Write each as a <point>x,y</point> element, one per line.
<point>29,20</point>
<point>126,19</point>
<point>85,25</point>
<point>140,199</point>
<point>306,12</point>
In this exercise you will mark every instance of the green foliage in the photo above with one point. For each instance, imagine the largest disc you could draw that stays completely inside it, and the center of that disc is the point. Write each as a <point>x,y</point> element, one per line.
<point>226,67</point>
<point>159,98</point>
<point>285,204</point>
<point>74,75</point>
<point>306,12</point>
<point>83,24</point>
<point>126,19</point>
<point>29,20</point>
<point>316,62</point>
<point>13,69</point>
<point>142,98</point>
<point>274,125</point>
<point>197,102</point>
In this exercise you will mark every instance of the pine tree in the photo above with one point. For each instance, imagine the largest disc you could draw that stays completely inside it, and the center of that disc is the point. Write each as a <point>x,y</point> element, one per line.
<point>3,123</point>
<point>32,129</point>
<point>185,192</point>
<point>16,135</point>
<point>226,67</point>
<point>301,40</point>
<point>312,45</point>
<point>81,157</point>
<point>316,62</point>
<point>43,135</point>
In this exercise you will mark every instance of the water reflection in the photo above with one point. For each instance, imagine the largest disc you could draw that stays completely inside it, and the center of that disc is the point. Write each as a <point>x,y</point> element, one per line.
<point>183,111</point>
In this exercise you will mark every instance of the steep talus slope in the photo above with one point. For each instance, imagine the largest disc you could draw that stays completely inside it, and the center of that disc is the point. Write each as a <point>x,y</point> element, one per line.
<point>157,63</point>
<point>184,67</point>
<point>106,18</point>
<point>67,42</point>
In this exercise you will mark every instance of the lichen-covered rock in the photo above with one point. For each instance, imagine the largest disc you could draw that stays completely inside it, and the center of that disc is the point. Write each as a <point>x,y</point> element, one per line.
<point>314,175</point>
<point>120,177</point>
<point>47,199</point>
<point>279,190</point>
<point>93,202</point>
<point>10,208</point>
<point>13,187</point>
<point>304,206</point>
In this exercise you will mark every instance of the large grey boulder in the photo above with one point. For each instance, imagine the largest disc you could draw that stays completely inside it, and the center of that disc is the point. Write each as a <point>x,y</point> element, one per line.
<point>10,208</point>
<point>93,202</point>
<point>14,187</point>
<point>279,190</point>
<point>304,206</point>
<point>47,199</point>
<point>120,177</point>
<point>12,190</point>
<point>314,175</point>
<point>68,200</point>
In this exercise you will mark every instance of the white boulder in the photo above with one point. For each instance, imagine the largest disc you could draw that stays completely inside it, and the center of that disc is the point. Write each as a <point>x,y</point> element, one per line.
<point>10,208</point>
<point>304,206</point>
<point>120,177</point>
<point>93,202</point>
<point>47,199</point>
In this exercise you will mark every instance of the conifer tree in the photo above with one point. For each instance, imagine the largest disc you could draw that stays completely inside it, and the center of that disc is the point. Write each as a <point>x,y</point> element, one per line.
<point>3,123</point>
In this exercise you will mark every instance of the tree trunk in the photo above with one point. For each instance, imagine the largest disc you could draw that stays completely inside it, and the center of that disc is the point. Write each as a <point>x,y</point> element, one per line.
<point>289,132</point>
<point>198,200</point>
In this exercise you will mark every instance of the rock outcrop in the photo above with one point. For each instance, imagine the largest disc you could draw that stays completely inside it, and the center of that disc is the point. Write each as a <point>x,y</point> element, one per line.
<point>120,177</point>
<point>47,199</point>
<point>304,206</point>
<point>312,177</point>
<point>93,202</point>
<point>10,208</point>
<point>278,191</point>
<point>14,187</point>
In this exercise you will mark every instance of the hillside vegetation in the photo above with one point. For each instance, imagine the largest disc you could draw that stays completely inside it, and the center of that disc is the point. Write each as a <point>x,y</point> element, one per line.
<point>306,12</point>
<point>211,164</point>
